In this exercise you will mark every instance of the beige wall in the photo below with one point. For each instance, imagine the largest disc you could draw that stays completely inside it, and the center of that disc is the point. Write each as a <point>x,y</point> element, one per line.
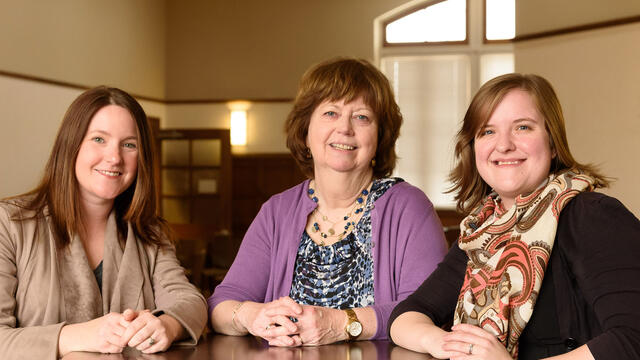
<point>255,49</point>
<point>114,42</point>
<point>265,123</point>
<point>30,114</point>
<point>259,49</point>
<point>597,77</point>
<point>536,16</point>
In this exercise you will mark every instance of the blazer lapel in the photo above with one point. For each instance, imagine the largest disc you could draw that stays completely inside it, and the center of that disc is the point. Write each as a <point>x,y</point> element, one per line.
<point>79,287</point>
<point>123,277</point>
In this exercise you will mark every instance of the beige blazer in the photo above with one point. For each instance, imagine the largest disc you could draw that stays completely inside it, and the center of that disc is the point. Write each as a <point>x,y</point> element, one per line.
<point>43,288</point>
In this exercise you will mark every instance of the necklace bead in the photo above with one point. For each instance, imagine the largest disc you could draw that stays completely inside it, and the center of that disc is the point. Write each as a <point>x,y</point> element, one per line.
<point>357,208</point>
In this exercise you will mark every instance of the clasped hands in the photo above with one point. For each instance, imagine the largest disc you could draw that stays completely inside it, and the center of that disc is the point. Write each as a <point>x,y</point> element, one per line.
<point>113,332</point>
<point>472,342</point>
<point>284,322</point>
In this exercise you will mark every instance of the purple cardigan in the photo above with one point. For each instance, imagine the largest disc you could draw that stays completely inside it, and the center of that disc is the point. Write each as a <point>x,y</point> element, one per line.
<point>408,243</point>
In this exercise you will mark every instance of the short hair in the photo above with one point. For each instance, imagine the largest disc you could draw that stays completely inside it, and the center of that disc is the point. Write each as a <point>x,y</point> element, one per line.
<point>345,78</point>
<point>59,189</point>
<point>469,188</point>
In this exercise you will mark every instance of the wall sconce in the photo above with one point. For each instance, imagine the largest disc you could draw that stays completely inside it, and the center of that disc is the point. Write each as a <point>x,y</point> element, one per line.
<point>238,127</point>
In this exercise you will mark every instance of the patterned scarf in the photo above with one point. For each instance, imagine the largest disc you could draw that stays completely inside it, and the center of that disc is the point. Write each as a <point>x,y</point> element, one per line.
<point>508,255</point>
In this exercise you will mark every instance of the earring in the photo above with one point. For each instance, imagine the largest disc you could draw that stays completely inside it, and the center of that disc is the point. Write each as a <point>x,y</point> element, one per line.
<point>373,162</point>
<point>308,155</point>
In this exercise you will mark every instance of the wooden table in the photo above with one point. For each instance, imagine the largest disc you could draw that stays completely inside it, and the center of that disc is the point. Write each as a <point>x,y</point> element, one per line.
<point>221,347</point>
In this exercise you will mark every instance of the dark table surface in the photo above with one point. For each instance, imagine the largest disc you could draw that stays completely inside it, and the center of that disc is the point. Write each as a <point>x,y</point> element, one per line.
<point>220,347</point>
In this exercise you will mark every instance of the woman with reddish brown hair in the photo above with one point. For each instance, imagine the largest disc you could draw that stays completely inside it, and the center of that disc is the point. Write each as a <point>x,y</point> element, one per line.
<point>85,262</point>
<point>328,259</point>
<point>545,267</point>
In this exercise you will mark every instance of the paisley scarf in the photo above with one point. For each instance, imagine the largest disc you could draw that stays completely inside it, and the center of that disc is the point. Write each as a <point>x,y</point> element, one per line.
<point>508,255</point>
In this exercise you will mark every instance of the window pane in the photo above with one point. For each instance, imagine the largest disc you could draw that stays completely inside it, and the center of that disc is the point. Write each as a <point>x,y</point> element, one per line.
<point>206,152</point>
<point>175,152</point>
<point>492,65</point>
<point>501,19</point>
<point>175,182</point>
<point>444,21</point>
<point>433,93</point>
<point>206,181</point>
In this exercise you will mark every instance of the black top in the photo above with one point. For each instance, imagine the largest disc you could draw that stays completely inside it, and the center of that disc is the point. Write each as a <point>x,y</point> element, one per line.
<point>97,272</point>
<point>590,292</point>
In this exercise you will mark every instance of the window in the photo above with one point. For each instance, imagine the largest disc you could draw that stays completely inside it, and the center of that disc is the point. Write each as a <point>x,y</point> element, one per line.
<point>436,54</point>
<point>438,22</point>
<point>500,19</point>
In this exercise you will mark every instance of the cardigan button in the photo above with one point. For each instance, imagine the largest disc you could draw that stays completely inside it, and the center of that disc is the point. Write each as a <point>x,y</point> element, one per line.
<point>571,343</point>
<point>373,244</point>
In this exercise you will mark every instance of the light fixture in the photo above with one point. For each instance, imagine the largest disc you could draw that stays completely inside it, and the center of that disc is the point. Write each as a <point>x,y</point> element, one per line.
<point>238,127</point>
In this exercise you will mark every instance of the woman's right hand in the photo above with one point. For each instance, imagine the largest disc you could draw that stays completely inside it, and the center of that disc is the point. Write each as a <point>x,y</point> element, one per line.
<point>103,334</point>
<point>271,321</point>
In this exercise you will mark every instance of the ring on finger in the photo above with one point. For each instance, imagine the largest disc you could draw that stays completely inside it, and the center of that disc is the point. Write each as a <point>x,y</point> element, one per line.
<point>470,349</point>
<point>268,327</point>
<point>151,341</point>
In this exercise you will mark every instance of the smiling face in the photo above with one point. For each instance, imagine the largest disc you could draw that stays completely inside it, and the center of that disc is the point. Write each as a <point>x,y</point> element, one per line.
<point>107,161</point>
<point>343,137</point>
<point>512,151</point>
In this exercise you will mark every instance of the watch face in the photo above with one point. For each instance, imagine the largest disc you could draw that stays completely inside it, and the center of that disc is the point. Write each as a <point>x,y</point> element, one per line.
<point>355,328</point>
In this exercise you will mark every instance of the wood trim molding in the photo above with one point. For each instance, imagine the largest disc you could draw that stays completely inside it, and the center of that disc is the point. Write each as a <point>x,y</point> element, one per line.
<point>221,101</point>
<point>69,85</point>
<point>578,28</point>
<point>63,84</point>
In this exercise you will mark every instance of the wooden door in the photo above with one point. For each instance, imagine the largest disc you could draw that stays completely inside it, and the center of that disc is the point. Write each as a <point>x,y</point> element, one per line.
<point>194,180</point>
<point>195,177</point>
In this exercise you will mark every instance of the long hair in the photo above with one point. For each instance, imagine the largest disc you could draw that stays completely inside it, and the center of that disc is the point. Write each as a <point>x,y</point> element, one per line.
<point>468,186</point>
<point>345,78</point>
<point>58,190</point>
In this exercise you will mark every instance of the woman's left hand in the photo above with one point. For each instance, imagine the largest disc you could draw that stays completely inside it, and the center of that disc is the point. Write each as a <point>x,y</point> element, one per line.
<point>483,345</point>
<point>320,325</point>
<point>149,333</point>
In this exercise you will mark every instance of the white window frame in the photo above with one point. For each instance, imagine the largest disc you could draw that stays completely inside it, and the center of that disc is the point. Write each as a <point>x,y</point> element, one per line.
<point>475,45</point>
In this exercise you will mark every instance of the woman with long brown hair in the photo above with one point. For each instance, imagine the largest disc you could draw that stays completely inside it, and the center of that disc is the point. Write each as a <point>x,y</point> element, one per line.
<point>85,262</point>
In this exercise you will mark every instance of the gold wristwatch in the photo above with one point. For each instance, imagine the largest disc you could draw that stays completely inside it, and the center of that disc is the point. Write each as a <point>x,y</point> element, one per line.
<point>354,326</point>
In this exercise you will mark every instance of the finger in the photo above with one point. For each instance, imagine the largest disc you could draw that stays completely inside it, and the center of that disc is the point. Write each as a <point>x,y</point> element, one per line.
<point>281,341</point>
<point>285,321</point>
<point>149,345</point>
<point>456,348</point>
<point>141,336</point>
<point>297,340</point>
<point>472,329</point>
<point>275,331</point>
<point>114,340</point>
<point>160,343</point>
<point>117,329</point>
<point>290,303</point>
<point>134,329</point>
<point>111,349</point>
<point>129,315</point>
<point>465,336</point>
<point>274,310</point>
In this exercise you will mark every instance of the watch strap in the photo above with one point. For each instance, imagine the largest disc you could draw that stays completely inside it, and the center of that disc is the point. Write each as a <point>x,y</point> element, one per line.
<point>351,318</point>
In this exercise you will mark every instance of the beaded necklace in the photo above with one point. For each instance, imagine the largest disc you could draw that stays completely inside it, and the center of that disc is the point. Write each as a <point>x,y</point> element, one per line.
<point>358,207</point>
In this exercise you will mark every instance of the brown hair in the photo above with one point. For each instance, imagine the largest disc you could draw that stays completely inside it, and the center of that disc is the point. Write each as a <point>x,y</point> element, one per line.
<point>345,78</point>
<point>58,190</point>
<point>469,187</point>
